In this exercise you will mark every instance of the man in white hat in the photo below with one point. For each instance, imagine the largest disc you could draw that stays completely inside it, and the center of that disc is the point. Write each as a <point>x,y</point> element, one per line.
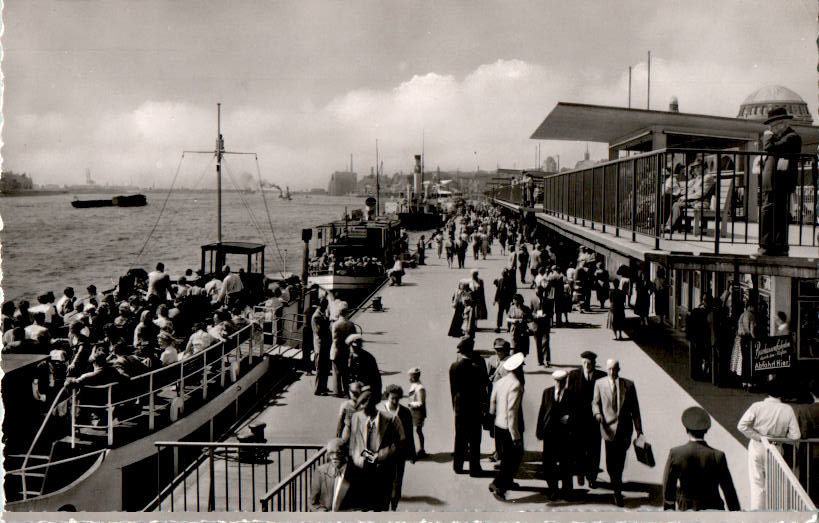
<point>505,408</point>
<point>616,409</point>
<point>556,428</point>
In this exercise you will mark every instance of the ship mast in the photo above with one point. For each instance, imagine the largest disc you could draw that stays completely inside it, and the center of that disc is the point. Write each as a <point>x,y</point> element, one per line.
<point>220,149</point>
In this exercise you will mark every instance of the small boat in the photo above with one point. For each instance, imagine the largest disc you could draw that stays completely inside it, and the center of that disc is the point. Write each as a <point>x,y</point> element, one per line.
<point>132,200</point>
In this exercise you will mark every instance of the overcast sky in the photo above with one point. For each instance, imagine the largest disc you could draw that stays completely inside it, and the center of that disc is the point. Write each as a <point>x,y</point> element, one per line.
<point>122,87</point>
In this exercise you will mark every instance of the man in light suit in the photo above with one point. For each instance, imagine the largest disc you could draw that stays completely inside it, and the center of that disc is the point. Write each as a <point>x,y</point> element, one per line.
<point>505,409</point>
<point>329,486</point>
<point>700,470</point>
<point>556,428</point>
<point>340,352</point>
<point>616,409</point>
<point>581,381</point>
<point>376,438</point>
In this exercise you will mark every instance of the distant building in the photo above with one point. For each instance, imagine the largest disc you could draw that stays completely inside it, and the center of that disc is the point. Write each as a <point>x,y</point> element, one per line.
<point>342,183</point>
<point>317,190</point>
<point>11,182</point>
<point>758,103</point>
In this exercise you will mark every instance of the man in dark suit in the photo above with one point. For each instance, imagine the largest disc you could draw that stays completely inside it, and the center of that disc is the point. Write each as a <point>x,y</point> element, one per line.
<point>555,427</point>
<point>779,175</point>
<point>340,352</point>
<point>322,339</point>
<point>376,438</point>
<point>362,366</point>
<point>581,382</point>
<point>700,470</point>
<point>468,383</point>
<point>616,409</point>
<point>329,486</point>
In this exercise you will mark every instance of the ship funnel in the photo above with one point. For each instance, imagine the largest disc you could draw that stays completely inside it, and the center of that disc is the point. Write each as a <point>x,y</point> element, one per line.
<point>417,177</point>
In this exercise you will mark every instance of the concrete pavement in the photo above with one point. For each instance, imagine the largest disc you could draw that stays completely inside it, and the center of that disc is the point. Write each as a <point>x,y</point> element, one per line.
<point>412,331</point>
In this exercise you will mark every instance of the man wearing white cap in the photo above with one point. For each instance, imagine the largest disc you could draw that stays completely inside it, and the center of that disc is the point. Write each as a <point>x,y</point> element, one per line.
<point>505,408</point>
<point>556,428</point>
<point>616,409</point>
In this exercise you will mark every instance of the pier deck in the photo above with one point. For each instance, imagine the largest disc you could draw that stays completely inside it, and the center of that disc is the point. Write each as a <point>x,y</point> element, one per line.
<point>412,332</point>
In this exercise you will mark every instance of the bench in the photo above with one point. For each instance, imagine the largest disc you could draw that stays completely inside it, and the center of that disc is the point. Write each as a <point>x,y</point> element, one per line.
<point>700,215</point>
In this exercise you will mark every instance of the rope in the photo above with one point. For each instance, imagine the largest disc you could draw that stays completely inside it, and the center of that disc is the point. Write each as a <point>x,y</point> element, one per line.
<point>267,211</point>
<point>161,211</point>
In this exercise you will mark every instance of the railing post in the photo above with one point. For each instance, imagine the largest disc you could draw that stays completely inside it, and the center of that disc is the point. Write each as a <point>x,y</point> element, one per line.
<point>73,418</point>
<point>250,343</point>
<point>633,200</point>
<point>657,203</point>
<point>212,486</point>
<point>151,402</point>
<point>603,209</point>
<point>181,385</point>
<point>718,197</point>
<point>110,416</point>
<point>222,365</point>
<point>617,199</point>
<point>205,374</point>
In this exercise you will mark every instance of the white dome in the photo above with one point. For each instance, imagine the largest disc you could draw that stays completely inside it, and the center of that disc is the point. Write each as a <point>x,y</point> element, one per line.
<point>757,104</point>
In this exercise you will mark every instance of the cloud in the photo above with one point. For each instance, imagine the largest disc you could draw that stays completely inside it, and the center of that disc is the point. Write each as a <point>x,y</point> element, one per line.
<point>483,118</point>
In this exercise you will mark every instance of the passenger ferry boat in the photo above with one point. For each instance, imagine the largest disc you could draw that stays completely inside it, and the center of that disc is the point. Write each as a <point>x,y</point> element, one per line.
<point>94,450</point>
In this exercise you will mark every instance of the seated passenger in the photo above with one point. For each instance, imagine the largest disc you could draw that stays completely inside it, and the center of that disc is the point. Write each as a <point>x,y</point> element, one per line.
<point>699,188</point>
<point>37,328</point>
<point>199,340</point>
<point>101,374</point>
<point>168,355</point>
<point>126,362</point>
<point>146,332</point>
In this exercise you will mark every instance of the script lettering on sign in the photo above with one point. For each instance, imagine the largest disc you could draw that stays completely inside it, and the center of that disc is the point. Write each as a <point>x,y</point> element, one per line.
<point>774,353</point>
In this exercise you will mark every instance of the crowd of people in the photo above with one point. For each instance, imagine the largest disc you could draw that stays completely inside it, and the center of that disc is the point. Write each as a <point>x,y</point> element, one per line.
<point>146,323</point>
<point>347,265</point>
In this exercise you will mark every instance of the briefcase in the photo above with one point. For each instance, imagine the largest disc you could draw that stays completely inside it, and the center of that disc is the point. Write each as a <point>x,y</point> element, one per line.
<point>643,452</point>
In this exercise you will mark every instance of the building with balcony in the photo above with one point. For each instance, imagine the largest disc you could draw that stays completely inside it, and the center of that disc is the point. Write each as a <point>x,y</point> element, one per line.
<point>705,236</point>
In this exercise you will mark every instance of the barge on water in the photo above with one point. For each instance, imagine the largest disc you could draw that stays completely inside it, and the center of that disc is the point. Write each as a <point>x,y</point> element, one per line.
<point>131,200</point>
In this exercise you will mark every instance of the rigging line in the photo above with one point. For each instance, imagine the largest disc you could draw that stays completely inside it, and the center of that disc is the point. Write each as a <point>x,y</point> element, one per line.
<point>267,209</point>
<point>176,211</point>
<point>243,202</point>
<point>250,213</point>
<point>161,210</point>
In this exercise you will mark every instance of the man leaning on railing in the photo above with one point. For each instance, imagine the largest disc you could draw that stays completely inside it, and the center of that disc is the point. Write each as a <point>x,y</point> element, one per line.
<point>769,418</point>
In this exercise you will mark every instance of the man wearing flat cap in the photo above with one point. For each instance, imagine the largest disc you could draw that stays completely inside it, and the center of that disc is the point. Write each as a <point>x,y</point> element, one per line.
<point>362,366</point>
<point>468,384</point>
<point>581,383</point>
<point>556,428</point>
<point>779,179</point>
<point>700,471</point>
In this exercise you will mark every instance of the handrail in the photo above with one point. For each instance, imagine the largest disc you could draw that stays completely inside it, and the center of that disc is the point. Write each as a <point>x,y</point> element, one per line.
<point>23,470</point>
<point>214,444</point>
<point>796,498</point>
<point>264,501</point>
<point>37,436</point>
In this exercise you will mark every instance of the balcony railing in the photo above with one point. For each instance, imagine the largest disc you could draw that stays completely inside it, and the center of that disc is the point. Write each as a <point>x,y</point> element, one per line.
<point>678,194</point>
<point>224,476</point>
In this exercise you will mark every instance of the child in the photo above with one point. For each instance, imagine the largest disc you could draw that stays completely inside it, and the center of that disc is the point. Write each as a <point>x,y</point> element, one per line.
<point>417,396</point>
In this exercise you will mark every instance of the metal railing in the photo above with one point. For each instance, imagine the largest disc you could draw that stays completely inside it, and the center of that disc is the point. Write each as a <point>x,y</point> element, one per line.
<point>225,476</point>
<point>783,491</point>
<point>663,194</point>
<point>292,494</point>
<point>802,459</point>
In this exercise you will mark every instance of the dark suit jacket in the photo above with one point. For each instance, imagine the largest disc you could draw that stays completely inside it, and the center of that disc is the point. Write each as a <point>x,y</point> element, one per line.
<point>808,418</point>
<point>549,427</point>
<point>788,143</point>
<point>584,391</point>
<point>701,471</point>
<point>363,367</point>
<point>617,426</point>
<point>322,488</point>
<point>374,481</point>
<point>469,385</point>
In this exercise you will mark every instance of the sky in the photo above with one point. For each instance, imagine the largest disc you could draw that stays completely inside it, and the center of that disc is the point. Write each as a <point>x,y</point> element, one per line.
<point>122,87</point>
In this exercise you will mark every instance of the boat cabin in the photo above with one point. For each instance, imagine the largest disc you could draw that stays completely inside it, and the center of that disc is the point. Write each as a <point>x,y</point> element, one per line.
<point>357,238</point>
<point>245,255</point>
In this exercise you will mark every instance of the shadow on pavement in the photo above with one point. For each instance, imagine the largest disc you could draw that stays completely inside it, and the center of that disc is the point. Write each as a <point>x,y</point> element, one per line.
<point>669,350</point>
<point>426,500</point>
<point>438,457</point>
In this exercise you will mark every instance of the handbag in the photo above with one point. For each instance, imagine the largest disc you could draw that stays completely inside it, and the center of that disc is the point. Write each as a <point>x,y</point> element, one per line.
<point>643,452</point>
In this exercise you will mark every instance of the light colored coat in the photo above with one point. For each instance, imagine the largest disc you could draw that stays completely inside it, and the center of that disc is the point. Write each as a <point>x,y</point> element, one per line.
<point>617,423</point>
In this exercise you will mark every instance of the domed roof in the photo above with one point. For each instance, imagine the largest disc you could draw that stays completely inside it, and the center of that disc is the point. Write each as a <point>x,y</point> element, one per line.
<point>773,93</point>
<point>757,105</point>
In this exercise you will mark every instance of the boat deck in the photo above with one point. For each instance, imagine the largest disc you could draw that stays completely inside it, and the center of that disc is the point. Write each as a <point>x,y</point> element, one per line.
<point>411,331</point>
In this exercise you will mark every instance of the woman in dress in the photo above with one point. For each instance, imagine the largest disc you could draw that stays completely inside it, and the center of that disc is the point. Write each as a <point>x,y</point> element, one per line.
<point>518,324</point>
<point>617,309</point>
<point>455,326</point>
<point>644,289</point>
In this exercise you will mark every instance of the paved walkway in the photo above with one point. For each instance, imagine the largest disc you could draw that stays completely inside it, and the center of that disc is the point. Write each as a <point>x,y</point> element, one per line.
<point>411,331</point>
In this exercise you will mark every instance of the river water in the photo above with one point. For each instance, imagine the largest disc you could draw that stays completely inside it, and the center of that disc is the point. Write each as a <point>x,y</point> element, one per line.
<point>46,244</point>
